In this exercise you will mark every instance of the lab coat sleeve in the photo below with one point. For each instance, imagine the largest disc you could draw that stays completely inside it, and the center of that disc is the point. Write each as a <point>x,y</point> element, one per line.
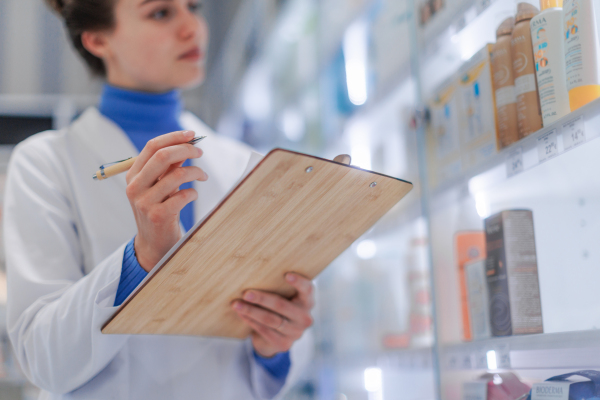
<point>55,311</point>
<point>266,387</point>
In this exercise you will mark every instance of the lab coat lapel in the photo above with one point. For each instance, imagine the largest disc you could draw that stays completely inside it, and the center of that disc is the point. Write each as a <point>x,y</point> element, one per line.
<point>106,139</point>
<point>109,142</point>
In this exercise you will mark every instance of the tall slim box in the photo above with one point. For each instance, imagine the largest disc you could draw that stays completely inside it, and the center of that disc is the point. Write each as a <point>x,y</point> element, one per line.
<point>477,103</point>
<point>512,274</point>
<point>470,246</point>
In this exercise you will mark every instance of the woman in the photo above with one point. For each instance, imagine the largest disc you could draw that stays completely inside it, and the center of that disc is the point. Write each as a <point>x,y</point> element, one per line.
<point>76,248</point>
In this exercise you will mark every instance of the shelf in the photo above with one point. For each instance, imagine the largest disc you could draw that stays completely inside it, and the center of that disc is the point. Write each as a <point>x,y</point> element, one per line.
<point>409,358</point>
<point>458,34</point>
<point>44,104</point>
<point>566,350</point>
<point>574,131</point>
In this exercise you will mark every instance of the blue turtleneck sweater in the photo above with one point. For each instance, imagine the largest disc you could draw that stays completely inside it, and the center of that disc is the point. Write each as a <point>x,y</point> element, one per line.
<point>143,116</point>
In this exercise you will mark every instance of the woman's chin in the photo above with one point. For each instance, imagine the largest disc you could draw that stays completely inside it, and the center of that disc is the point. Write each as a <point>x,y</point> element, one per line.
<point>190,79</point>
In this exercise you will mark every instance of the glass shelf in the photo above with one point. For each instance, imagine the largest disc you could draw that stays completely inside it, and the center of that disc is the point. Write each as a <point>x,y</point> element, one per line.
<point>566,350</point>
<point>565,209</point>
<point>551,173</point>
<point>569,133</point>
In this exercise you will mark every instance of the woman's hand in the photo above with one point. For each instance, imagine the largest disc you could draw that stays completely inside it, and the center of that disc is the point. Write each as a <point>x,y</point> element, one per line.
<point>276,321</point>
<point>153,191</point>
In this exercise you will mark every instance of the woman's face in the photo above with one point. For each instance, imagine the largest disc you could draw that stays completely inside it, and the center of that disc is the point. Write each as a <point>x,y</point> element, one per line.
<point>156,45</point>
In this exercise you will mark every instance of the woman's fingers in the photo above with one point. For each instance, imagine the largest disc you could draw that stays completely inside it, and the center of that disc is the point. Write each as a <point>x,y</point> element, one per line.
<point>171,168</point>
<point>272,340</point>
<point>266,318</point>
<point>159,142</point>
<point>178,200</point>
<point>161,161</point>
<point>305,289</point>
<point>171,181</point>
<point>268,312</point>
<point>295,315</point>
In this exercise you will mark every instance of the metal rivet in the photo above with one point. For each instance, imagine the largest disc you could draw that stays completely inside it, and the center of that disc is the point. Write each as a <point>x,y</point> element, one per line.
<point>309,169</point>
<point>373,184</point>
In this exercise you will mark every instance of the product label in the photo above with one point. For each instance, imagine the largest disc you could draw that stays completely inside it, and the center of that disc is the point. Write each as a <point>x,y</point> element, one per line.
<point>548,54</point>
<point>581,43</point>
<point>497,280</point>
<point>525,84</point>
<point>514,162</point>
<point>550,391</point>
<point>444,124</point>
<point>548,145</point>
<point>478,103</point>
<point>573,133</point>
<point>505,96</point>
<point>521,267</point>
<point>478,299</point>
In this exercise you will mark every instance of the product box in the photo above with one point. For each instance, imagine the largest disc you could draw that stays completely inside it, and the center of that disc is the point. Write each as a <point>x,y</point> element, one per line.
<point>470,246</point>
<point>443,138</point>
<point>498,386</point>
<point>477,293</point>
<point>560,388</point>
<point>478,122</point>
<point>512,274</point>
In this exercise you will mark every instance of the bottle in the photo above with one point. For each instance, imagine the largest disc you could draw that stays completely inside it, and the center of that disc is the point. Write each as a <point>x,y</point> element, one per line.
<point>504,85</point>
<point>529,114</point>
<point>548,53</point>
<point>582,51</point>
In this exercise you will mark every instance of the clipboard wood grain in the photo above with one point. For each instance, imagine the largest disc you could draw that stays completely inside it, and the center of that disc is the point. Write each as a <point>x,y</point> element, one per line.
<point>279,219</point>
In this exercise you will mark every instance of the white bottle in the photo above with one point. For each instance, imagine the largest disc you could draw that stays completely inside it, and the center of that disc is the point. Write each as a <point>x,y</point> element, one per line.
<point>582,51</point>
<point>549,56</point>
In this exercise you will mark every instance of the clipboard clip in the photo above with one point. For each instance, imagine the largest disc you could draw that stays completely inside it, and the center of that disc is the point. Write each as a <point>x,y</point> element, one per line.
<point>343,159</point>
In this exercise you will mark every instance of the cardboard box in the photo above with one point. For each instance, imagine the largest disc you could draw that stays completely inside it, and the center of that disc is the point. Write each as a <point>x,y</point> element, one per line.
<point>512,274</point>
<point>443,133</point>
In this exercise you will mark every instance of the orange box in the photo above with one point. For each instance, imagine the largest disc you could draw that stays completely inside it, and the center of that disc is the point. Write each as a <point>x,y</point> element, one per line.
<point>470,246</point>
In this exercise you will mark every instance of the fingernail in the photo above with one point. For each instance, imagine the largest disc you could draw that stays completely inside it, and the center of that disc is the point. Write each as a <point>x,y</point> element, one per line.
<point>188,134</point>
<point>249,296</point>
<point>237,305</point>
<point>205,176</point>
<point>290,277</point>
<point>199,150</point>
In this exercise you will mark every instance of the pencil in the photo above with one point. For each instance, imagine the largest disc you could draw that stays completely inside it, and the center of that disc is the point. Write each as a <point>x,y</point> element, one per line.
<point>117,167</point>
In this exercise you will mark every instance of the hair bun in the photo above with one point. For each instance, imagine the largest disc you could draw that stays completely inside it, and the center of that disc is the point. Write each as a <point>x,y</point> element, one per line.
<point>56,5</point>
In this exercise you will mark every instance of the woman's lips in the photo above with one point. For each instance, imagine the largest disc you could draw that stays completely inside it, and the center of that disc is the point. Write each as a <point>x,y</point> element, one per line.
<point>193,55</point>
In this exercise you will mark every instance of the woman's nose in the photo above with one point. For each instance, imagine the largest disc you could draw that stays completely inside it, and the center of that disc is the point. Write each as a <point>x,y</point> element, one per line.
<point>189,25</point>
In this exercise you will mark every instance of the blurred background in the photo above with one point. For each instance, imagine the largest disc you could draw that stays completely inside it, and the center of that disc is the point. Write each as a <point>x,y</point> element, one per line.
<point>370,78</point>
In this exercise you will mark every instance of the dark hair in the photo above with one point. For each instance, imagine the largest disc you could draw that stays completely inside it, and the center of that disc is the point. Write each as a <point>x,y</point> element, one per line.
<point>86,15</point>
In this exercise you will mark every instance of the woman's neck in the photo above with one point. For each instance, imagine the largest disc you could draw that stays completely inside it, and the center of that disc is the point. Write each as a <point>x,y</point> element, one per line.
<point>129,84</point>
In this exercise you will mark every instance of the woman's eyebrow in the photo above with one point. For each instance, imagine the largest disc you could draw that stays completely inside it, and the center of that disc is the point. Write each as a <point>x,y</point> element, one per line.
<point>150,1</point>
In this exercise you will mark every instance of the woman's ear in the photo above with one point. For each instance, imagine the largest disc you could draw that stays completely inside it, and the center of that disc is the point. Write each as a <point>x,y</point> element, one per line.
<point>95,43</point>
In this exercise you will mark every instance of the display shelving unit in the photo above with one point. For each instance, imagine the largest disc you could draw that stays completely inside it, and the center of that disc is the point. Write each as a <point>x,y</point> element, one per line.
<point>388,314</point>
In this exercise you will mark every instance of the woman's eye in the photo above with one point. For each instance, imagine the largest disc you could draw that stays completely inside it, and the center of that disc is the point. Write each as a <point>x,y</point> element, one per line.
<point>195,7</point>
<point>160,14</point>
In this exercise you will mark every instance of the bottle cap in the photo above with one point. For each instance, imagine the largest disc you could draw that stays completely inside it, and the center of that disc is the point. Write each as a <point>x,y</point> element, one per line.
<point>506,27</point>
<point>544,4</point>
<point>525,11</point>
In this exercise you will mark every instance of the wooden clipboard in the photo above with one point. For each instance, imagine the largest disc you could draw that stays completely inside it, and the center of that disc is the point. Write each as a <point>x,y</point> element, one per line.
<point>292,212</point>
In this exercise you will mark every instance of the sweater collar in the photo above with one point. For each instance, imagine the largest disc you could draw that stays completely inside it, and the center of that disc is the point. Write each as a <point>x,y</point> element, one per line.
<point>138,113</point>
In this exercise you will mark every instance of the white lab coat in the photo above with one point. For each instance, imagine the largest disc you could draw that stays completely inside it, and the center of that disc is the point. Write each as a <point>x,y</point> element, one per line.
<point>65,235</point>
